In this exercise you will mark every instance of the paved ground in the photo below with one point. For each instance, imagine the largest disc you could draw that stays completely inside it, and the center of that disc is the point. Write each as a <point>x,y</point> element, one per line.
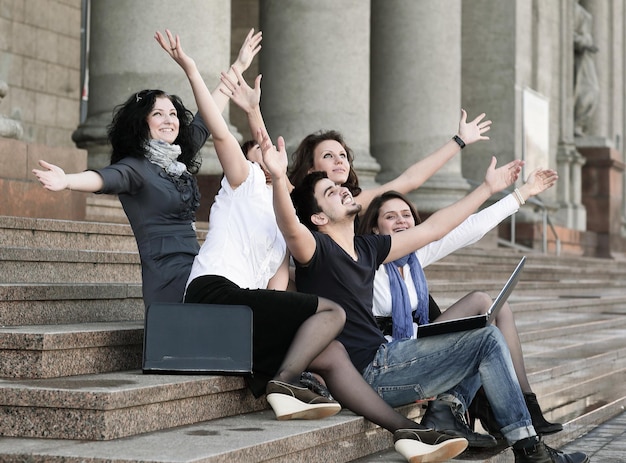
<point>605,444</point>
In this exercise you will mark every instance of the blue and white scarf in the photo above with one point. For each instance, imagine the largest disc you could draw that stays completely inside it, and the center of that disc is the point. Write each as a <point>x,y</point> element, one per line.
<point>401,312</point>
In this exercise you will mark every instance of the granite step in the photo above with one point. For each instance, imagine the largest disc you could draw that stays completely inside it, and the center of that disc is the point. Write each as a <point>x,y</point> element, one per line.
<point>62,303</point>
<point>258,437</point>
<point>109,406</point>
<point>52,351</point>
<point>28,265</point>
<point>34,233</point>
<point>572,436</point>
<point>562,376</point>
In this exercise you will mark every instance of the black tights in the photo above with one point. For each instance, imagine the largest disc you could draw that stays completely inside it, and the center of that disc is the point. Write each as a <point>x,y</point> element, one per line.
<point>349,388</point>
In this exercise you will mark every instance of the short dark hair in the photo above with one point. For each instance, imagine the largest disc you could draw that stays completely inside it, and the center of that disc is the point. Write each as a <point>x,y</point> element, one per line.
<point>302,159</point>
<point>370,218</point>
<point>304,201</point>
<point>246,145</point>
<point>128,132</point>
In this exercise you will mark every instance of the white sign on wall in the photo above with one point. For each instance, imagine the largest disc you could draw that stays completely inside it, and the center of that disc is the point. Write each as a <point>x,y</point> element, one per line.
<point>535,131</point>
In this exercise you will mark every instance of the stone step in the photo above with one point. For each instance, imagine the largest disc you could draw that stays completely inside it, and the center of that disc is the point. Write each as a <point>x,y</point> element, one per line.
<point>27,265</point>
<point>258,437</point>
<point>62,303</point>
<point>568,374</point>
<point>571,433</point>
<point>52,351</point>
<point>26,232</point>
<point>113,405</point>
<point>550,289</point>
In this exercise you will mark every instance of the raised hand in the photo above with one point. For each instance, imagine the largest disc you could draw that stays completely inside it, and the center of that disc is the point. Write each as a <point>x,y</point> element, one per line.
<point>53,178</point>
<point>249,49</point>
<point>238,90</point>
<point>173,47</point>
<point>539,181</point>
<point>502,177</point>
<point>473,131</point>
<point>274,158</point>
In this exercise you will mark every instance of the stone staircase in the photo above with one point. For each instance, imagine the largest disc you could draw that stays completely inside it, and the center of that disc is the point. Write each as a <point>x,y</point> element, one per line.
<point>71,330</point>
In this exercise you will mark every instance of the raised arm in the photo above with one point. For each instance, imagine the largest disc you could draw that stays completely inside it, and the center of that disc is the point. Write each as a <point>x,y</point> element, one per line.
<point>54,178</point>
<point>298,237</point>
<point>446,219</point>
<point>417,174</point>
<point>229,153</point>
<point>247,98</point>
<point>249,49</point>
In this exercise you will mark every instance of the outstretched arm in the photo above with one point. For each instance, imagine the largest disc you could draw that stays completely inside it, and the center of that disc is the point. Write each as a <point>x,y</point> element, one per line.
<point>229,153</point>
<point>298,237</point>
<point>54,178</point>
<point>249,49</point>
<point>415,176</point>
<point>446,219</point>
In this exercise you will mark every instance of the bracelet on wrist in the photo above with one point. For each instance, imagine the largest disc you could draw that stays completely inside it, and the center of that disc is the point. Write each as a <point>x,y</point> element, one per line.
<point>459,141</point>
<point>520,198</point>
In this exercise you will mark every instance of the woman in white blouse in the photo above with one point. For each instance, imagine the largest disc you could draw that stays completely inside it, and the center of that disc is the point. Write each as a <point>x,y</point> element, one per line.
<point>401,300</point>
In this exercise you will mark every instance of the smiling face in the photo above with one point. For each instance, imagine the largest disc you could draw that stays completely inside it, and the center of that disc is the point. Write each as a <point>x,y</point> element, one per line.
<point>163,121</point>
<point>330,156</point>
<point>336,202</point>
<point>394,216</point>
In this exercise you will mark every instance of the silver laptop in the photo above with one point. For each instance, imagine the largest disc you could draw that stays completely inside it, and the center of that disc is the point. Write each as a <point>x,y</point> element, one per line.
<point>476,321</point>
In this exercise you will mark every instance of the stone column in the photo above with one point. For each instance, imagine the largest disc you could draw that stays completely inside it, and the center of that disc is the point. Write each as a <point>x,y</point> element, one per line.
<point>315,66</point>
<point>124,57</point>
<point>571,213</point>
<point>416,91</point>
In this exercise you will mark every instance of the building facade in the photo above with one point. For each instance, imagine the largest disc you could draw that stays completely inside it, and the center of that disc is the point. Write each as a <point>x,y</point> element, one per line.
<point>391,75</point>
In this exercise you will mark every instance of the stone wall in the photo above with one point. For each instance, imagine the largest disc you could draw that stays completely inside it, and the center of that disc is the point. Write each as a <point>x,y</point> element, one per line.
<point>22,195</point>
<point>40,61</point>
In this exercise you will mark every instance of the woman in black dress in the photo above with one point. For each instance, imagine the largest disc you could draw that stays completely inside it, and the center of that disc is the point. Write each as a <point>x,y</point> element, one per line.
<point>155,142</point>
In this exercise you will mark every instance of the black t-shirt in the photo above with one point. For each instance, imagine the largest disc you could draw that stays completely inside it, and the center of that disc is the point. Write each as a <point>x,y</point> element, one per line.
<point>333,274</point>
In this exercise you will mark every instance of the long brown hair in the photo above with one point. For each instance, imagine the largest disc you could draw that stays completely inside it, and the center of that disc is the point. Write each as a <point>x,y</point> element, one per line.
<point>302,159</point>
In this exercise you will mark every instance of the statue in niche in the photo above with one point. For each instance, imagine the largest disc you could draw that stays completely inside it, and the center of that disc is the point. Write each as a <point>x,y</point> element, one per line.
<point>586,87</point>
<point>8,127</point>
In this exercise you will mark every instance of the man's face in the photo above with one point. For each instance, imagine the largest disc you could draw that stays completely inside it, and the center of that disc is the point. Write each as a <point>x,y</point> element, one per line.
<point>335,201</point>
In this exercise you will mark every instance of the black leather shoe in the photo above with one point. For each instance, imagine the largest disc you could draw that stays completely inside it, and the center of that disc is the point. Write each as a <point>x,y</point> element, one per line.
<point>447,417</point>
<point>532,450</point>
<point>541,425</point>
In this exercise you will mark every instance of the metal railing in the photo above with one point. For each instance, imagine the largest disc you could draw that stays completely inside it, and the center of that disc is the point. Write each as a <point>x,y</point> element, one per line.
<point>545,221</point>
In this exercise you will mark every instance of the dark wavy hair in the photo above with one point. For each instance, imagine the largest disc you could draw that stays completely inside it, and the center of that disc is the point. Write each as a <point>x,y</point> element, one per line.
<point>128,132</point>
<point>302,159</point>
<point>370,219</point>
<point>303,198</point>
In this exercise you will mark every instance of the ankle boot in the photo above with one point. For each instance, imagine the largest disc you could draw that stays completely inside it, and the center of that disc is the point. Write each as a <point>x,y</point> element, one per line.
<point>480,408</point>
<point>532,450</point>
<point>448,418</point>
<point>541,425</point>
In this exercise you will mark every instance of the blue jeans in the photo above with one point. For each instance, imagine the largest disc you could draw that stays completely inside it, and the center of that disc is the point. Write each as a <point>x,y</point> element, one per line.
<point>416,369</point>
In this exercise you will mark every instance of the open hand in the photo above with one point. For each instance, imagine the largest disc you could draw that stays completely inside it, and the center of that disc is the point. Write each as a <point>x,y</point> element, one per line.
<point>539,181</point>
<point>173,47</point>
<point>53,178</point>
<point>502,177</point>
<point>274,158</point>
<point>250,48</point>
<point>238,90</point>
<point>473,131</point>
